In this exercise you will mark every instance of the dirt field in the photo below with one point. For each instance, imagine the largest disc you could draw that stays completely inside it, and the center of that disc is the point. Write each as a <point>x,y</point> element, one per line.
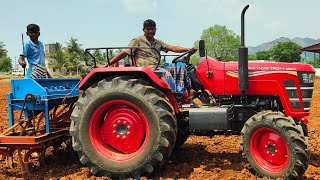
<point>200,158</point>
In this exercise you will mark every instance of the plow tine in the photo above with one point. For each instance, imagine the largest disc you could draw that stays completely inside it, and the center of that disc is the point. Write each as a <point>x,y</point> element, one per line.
<point>24,167</point>
<point>41,116</point>
<point>9,162</point>
<point>9,129</point>
<point>42,157</point>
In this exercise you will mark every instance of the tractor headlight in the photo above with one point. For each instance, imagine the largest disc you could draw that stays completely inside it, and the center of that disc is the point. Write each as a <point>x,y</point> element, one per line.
<point>307,77</point>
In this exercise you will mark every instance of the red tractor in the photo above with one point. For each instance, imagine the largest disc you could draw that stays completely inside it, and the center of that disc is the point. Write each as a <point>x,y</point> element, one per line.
<point>128,121</point>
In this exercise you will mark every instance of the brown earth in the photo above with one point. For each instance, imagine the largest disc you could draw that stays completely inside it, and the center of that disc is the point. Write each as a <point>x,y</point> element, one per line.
<point>200,158</point>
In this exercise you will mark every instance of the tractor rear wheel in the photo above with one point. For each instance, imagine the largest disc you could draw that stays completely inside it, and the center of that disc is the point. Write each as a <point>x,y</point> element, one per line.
<point>274,146</point>
<point>122,127</point>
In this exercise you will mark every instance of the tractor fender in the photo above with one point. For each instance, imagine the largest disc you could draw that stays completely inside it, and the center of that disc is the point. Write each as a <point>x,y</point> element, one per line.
<point>146,73</point>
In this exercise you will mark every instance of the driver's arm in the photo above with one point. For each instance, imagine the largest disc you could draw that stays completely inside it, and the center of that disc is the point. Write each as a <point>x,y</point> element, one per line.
<point>177,49</point>
<point>125,52</point>
<point>118,57</point>
<point>115,59</point>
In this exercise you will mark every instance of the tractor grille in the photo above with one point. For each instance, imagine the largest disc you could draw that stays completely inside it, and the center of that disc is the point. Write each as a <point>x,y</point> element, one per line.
<point>292,94</point>
<point>306,80</point>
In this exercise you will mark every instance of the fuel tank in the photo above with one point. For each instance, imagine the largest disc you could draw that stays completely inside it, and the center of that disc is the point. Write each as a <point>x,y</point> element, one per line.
<point>206,119</point>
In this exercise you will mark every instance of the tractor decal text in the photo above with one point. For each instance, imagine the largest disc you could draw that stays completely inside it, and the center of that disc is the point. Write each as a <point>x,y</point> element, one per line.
<point>259,73</point>
<point>275,68</point>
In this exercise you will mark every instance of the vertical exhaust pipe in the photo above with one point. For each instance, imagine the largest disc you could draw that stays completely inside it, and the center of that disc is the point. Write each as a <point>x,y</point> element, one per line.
<point>243,59</point>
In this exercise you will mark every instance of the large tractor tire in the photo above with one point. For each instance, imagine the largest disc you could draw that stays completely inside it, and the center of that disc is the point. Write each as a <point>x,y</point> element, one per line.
<point>274,146</point>
<point>122,127</point>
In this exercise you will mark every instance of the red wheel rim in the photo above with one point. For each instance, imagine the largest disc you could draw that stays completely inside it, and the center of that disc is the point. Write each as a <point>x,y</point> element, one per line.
<point>269,150</point>
<point>118,130</point>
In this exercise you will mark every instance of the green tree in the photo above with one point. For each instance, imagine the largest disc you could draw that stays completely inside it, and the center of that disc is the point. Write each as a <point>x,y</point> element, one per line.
<point>5,64</point>
<point>111,54</point>
<point>56,58</point>
<point>88,59</point>
<point>74,47</point>
<point>195,58</point>
<point>100,56</point>
<point>310,61</point>
<point>5,61</point>
<point>221,43</point>
<point>287,52</point>
<point>73,61</point>
<point>252,57</point>
<point>264,55</point>
<point>3,51</point>
<point>73,54</point>
<point>100,59</point>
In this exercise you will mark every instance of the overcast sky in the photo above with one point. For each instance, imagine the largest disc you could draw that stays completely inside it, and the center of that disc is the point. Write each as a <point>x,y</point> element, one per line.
<point>106,23</point>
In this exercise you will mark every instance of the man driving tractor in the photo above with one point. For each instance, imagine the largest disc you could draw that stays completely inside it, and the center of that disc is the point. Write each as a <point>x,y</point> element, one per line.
<point>149,55</point>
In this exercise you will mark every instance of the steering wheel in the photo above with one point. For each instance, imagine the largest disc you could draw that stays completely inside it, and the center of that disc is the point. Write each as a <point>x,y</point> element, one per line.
<point>185,59</point>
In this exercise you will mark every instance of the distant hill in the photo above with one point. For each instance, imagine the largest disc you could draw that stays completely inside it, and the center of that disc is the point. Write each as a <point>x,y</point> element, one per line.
<point>303,42</point>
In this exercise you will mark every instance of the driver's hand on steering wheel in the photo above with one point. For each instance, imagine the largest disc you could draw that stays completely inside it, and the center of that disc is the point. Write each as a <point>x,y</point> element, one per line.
<point>193,48</point>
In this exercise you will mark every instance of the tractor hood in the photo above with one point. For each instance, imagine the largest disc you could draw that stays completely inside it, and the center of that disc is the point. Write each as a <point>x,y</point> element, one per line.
<point>271,66</point>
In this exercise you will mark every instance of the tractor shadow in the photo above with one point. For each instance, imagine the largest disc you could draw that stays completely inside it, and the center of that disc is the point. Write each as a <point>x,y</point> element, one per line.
<point>195,159</point>
<point>192,158</point>
<point>62,163</point>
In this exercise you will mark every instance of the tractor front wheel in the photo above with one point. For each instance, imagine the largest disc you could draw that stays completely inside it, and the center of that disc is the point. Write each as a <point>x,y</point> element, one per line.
<point>123,127</point>
<point>274,147</point>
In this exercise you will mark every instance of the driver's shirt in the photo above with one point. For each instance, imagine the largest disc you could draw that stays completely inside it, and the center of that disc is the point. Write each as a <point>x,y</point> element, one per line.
<point>149,56</point>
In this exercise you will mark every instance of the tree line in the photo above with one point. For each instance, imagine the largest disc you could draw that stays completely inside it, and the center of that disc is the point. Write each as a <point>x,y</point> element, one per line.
<point>5,60</point>
<point>66,59</point>
<point>221,43</point>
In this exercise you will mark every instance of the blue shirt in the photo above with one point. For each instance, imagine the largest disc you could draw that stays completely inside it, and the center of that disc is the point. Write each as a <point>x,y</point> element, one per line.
<point>34,54</point>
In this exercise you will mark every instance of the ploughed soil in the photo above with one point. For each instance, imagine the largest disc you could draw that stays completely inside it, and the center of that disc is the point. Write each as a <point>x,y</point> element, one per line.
<point>199,158</point>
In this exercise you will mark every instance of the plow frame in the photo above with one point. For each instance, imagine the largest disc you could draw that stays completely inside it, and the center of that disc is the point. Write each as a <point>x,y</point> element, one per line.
<point>46,106</point>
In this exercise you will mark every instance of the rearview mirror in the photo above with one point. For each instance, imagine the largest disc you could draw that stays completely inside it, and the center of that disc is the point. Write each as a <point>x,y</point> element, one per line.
<point>202,48</point>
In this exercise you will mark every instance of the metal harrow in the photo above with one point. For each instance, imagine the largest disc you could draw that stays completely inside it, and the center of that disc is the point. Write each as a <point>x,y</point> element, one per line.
<point>39,113</point>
